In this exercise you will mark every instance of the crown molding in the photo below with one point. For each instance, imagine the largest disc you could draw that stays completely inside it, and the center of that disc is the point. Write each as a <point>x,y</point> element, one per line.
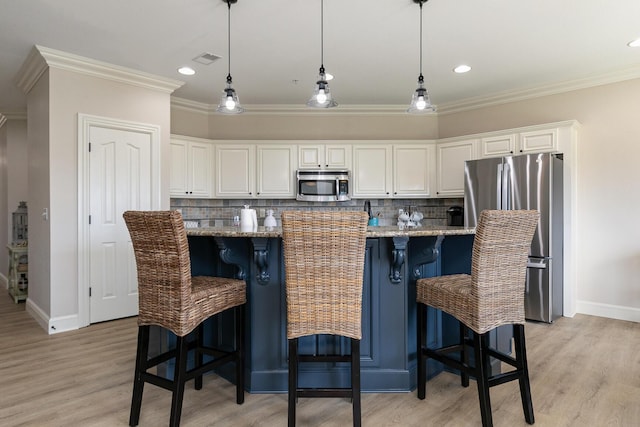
<point>5,116</point>
<point>15,115</point>
<point>499,98</point>
<point>40,58</point>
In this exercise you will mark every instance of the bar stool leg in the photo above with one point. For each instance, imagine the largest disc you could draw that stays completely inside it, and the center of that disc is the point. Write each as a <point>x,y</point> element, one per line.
<point>355,382</point>
<point>182,347</point>
<point>199,358</point>
<point>138,383</point>
<point>481,361</point>
<point>464,355</point>
<point>422,343</point>
<point>523,380</point>
<point>239,311</point>
<point>293,380</point>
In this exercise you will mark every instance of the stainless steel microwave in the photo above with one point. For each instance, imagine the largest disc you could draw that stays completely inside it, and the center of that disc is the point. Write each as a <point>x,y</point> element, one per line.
<point>323,185</point>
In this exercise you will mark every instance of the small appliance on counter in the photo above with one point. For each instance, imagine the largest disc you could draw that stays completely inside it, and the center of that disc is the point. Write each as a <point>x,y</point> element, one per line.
<point>269,220</point>
<point>248,219</point>
<point>455,216</point>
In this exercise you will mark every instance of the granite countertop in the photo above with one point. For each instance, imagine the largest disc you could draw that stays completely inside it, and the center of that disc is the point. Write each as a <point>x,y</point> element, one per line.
<point>381,231</point>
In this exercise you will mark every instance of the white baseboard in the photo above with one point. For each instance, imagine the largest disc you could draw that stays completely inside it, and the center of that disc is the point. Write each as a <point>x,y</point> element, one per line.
<point>5,280</point>
<point>619,312</point>
<point>53,325</point>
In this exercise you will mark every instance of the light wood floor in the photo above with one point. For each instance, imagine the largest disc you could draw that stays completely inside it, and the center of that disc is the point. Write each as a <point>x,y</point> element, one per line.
<point>584,371</point>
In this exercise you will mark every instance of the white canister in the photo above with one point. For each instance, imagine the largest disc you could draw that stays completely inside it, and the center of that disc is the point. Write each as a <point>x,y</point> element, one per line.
<point>248,219</point>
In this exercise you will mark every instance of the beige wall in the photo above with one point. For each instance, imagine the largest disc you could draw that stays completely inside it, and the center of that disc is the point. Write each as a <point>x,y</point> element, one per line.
<point>38,175</point>
<point>13,177</point>
<point>53,108</point>
<point>308,124</point>
<point>608,201</point>
<point>4,213</point>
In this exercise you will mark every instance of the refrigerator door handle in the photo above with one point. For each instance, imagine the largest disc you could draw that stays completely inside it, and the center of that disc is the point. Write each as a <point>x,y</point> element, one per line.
<point>506,187</point>
<point>540,263</point>
<point>499,187</point>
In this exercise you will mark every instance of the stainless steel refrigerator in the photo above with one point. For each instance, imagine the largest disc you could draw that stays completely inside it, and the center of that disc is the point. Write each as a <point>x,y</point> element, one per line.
<point>532,181</point>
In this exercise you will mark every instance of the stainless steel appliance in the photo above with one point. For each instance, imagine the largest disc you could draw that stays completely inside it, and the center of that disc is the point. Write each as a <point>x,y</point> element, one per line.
<point>532,181</point>
<point>323,185</point>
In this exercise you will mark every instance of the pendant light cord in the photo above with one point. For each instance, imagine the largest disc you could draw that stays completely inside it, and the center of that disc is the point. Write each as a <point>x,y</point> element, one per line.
<point>421,2</point>
<point>229,41</point>
<point>322,34</point>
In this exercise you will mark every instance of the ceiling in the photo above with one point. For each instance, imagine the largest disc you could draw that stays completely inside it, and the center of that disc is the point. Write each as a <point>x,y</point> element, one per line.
<point>371,46</point>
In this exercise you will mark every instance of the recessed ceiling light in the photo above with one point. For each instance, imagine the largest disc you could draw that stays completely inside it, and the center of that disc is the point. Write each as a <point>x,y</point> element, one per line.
<point>634,43</point>
<point>187,71</point>
<point>462,69</point>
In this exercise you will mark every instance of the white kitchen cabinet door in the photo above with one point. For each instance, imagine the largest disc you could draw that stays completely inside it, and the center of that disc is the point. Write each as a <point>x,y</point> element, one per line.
<point>413,170</point>
<point>450,160</point>
<point>372,170</point>
<point>539,141</point>
<point>324,156</point>
<point>235,171</point>
<point>276,171</point>
<point>190,169</point>
<point>310,156</point>
<point>337,156</point>
<point>498,146</point>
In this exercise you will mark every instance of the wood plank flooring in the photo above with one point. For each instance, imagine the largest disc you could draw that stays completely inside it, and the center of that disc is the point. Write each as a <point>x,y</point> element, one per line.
<point>584,371</point>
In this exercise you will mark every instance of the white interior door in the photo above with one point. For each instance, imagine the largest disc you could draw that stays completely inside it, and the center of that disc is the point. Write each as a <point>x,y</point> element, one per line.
<point>120,179</point>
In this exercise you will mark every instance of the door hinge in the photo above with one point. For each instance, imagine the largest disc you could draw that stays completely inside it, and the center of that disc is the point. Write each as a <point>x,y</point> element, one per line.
<point>89,219</point>
<point>89,147</point>
<point>89,291</point>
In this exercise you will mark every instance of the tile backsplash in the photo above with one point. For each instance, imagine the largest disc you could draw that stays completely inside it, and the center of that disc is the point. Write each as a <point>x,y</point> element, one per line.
<point>222,211</point>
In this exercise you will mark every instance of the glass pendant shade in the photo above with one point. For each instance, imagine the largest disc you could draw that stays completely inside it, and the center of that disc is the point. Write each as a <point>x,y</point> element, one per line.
<point>420,102</point>
<point>321,97</point>
<point>229,102</point>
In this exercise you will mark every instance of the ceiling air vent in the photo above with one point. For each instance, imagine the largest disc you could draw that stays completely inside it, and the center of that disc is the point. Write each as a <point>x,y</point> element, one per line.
<point>206,58</point>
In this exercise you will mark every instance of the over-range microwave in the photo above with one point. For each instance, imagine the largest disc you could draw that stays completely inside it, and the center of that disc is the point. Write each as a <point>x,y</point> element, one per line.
<point>323,185</point>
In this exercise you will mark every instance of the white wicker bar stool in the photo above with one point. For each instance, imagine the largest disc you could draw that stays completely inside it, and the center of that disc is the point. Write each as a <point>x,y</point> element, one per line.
<point>169,297</point>
<point>324,267</point>
<point>492,296</point>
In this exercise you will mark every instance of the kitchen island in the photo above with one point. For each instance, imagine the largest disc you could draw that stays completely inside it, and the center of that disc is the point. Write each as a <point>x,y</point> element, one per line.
<point>395,258</point>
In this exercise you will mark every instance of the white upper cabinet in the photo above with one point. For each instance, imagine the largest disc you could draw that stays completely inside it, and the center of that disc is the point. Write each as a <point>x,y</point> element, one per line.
<point>276,171</point>
<point>190,168</point>
<point>450,166</point>
<point>524,142</point>
<point>235,171</point>
<point>538,141</point>
<point>497,146</point>
<point>413,170</point>
<point>325,156</point>
<point>372,170</point>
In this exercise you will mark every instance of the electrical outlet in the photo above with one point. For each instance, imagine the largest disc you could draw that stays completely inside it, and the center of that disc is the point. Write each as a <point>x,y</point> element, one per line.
<point>261,212</point>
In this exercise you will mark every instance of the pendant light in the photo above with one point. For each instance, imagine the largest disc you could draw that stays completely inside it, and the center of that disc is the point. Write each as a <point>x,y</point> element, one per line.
<point>420,102</point>
<point>229,103</point>
<point>321,97</point>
